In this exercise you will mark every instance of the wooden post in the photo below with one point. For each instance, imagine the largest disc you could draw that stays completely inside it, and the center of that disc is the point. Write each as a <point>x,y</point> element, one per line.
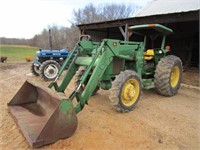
<point>125,33</point>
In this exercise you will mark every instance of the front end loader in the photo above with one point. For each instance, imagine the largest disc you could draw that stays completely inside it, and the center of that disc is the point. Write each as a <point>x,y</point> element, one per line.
<point>46,115</point>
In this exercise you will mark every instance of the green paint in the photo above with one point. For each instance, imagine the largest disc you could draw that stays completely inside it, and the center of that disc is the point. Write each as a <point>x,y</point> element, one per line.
<point>66,105</point>
<point>162,29</point>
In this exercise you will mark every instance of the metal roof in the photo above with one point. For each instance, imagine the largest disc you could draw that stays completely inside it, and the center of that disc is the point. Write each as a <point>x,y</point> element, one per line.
<point>158,7</point>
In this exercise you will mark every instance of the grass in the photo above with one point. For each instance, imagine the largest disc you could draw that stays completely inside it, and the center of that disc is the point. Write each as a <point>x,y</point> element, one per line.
<point>17,53</point>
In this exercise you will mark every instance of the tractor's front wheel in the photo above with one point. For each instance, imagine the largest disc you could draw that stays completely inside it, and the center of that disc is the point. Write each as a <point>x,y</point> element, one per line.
<point>168,75</point>
<point>49,70</point>
<point>126,91</point>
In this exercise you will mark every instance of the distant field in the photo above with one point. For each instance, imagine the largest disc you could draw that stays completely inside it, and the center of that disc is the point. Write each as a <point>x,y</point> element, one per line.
<point>17,53</point>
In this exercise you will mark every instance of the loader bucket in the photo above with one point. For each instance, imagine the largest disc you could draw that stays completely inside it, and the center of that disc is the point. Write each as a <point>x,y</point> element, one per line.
<point>43,115</point>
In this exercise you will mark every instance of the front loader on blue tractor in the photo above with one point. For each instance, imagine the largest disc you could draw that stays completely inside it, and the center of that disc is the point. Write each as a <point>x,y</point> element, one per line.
<point>46,115</point>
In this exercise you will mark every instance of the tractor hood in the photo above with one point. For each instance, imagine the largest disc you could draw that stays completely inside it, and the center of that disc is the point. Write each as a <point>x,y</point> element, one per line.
<point>53,53</point>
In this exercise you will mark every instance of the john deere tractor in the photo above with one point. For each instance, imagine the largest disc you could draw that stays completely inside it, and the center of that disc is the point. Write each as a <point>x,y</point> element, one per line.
<point>123,67</point>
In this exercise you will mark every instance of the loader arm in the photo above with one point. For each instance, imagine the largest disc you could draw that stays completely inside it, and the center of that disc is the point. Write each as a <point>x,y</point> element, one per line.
<point>104,56</point>
<point>79,49</point>
<point>104,60</point>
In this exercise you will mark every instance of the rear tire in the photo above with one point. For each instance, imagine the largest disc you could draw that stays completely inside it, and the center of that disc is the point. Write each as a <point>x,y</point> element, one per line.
<point>126,90</point>
<point>49,70</point>
<point>35,70</point>
<point>168,75</point>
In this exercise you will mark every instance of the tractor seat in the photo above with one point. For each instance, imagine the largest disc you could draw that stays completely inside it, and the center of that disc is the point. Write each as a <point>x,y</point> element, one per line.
<point>149,54</point>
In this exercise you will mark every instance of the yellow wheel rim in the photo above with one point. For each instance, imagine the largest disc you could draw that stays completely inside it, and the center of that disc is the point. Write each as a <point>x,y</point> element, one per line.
<point>130,92</point>
<point>175,76</point>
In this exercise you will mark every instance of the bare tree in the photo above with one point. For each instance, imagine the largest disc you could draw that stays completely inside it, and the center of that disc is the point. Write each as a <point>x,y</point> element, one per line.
<point>61,37</point>
<point>91,13</point>
<point>41,40</point>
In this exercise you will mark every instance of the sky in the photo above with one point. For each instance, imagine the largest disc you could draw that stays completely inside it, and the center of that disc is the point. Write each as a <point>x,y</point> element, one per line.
<point>25,18</point>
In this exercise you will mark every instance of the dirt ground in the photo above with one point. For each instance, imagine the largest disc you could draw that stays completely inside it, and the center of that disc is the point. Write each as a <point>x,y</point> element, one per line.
<point>158,122</point>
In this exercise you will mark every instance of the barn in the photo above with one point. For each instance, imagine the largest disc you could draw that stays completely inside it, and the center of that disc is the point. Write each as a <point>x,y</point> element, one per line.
<point>181,16</point>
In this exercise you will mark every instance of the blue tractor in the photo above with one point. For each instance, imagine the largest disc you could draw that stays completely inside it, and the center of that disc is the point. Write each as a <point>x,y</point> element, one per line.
<point>48,63</point>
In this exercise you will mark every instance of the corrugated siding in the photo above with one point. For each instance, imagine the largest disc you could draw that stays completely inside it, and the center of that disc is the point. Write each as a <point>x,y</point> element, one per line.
<point>157,7</point>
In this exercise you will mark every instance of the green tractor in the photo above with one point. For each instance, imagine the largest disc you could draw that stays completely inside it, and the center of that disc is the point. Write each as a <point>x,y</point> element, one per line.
<point>123,67</point>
